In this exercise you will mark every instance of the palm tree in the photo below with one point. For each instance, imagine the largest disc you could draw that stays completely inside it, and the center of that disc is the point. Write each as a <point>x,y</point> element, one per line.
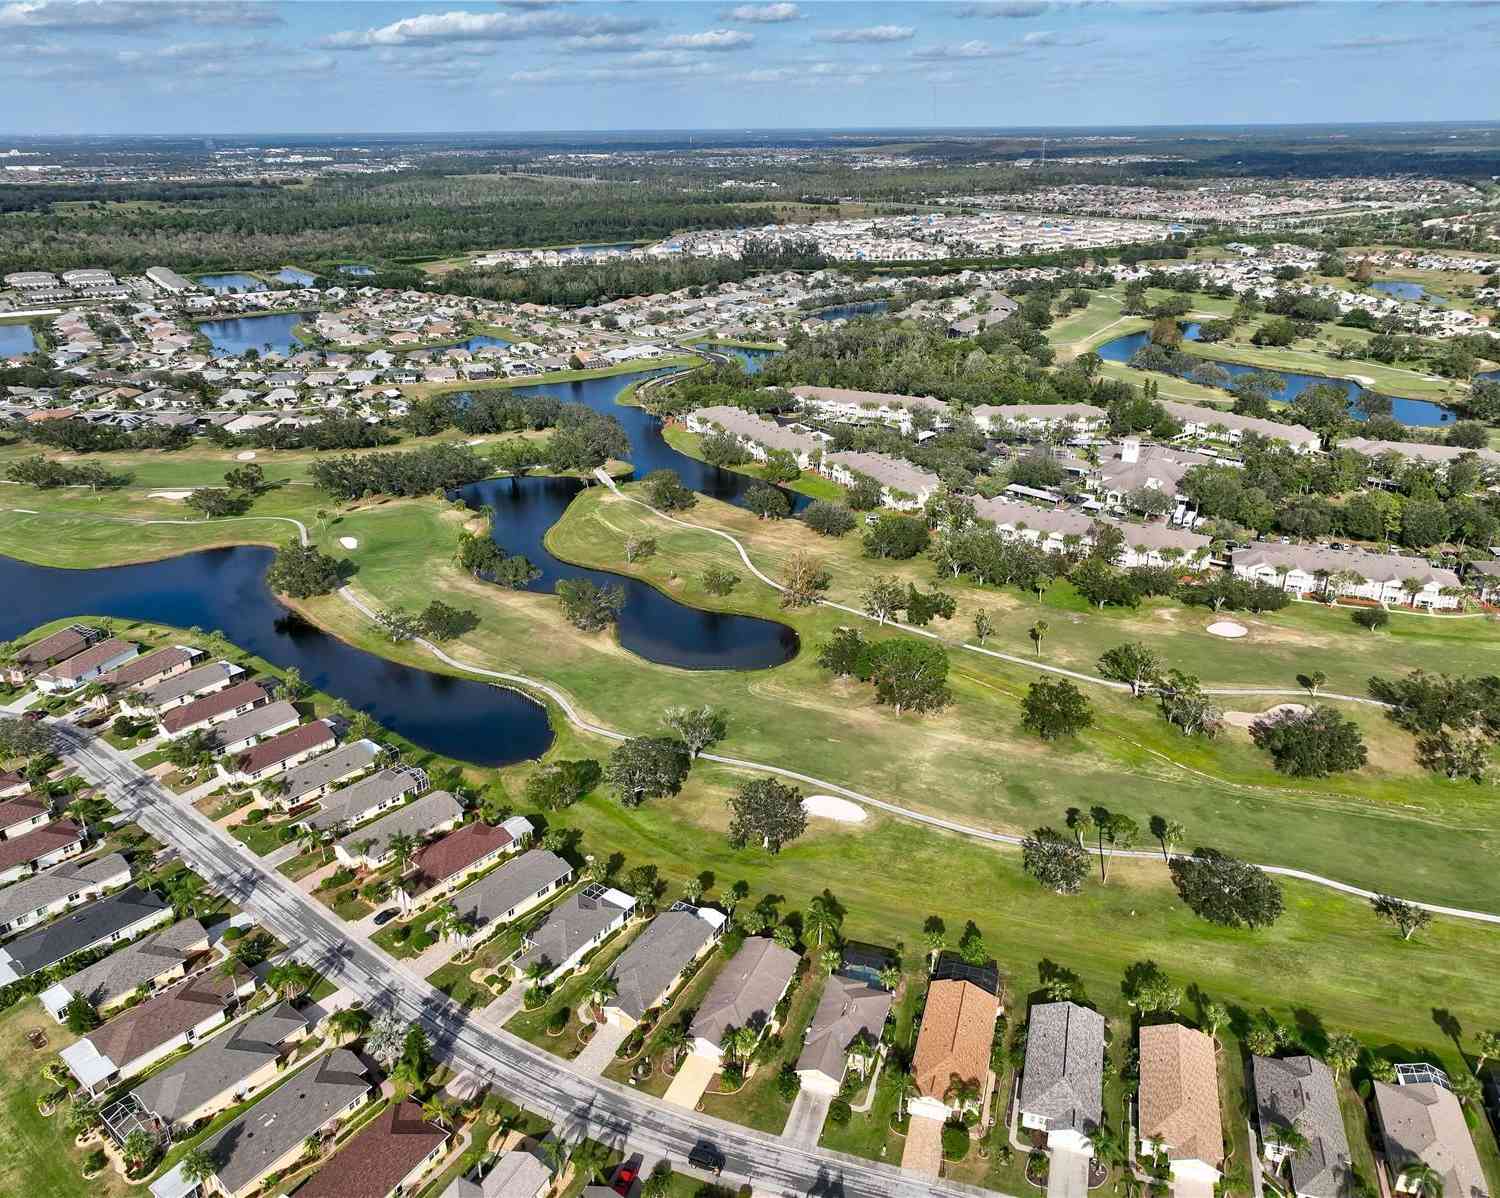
<point>435,1110</point>
<point>673,1039</point>
<point>1215,1017</point>
<point>603,988</point>
<point>558,1152</point>
<point>290,979</point>
<point>903,1083</point>
<point>1036,633</point>
<point>822,919</point>
<point>349,1023</point>
<point>962,1092</point>
<point>309,839</point>
<point>1288,1138</point>
<point>1413,587</point>
<point>1422,1180</point>
<point>738,1043</point>
<point>590,1158</point>
<point>890,976</point>
<point>403,846</point>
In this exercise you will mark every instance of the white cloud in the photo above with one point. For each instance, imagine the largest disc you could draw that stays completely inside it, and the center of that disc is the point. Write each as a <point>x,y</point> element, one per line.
<point>1012,9</point>
<point>434,28</point>
<point>764,14</point>
<point>647,64</point>
<point>963,50</point>
<point>130,16</point>
<point>1374,41</point>
<point>873,33</point>
<point>602,43</point>
<point>712,39</point>
<point>1045,38</point>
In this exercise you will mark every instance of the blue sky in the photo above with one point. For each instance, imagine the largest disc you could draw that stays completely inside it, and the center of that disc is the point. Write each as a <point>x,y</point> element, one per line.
<point>246,66</point>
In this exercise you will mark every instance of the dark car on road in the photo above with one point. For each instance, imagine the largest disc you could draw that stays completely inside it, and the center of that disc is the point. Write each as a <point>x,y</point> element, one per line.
<point>385,917</point>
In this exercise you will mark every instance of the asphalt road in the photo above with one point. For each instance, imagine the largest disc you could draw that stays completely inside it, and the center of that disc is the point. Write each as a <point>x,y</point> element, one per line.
<point>577,1106</point>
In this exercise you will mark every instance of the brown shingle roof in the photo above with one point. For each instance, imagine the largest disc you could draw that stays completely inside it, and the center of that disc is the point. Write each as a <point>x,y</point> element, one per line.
<point>379,1157</point>
<point>213,705</point>
<point>90,659</point>
<point>136,671</point>
<point>20,809</point>
<point>1179,1093</point>
<point>957,1026</point>
<point>141,1029</point>
<point>287,744</point>
<point>39,843</point>
<point>56,647</point>
<point>455,852</point>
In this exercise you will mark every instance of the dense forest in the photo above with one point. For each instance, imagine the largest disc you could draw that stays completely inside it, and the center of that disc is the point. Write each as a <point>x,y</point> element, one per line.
<point>392,220</point>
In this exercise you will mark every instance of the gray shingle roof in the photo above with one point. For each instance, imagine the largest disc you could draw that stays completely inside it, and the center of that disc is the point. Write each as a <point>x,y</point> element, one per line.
<point>43,889</point>
<point>1299,1092</point>
<point>848,1007</point>
<point>415,819</point>
<point>572,924</point>
<point>331,767</point>
<point>353,803</point>
<point>656,957</point>
<point>1423,1121</point>
<point>509,886</point>
<point>148,958</point>
<point>221,1064</point>
<point>1064,1066</point>
<point>748,989</point>
<point>81,928</point>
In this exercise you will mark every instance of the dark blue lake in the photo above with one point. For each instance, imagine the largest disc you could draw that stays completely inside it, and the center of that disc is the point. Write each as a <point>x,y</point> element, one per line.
<point>231,282</point>
<point>1407,411</point>
<point>753,360</point>
<point>225,589</point>
<point>232,337</point>
<point>16,339</point>
<point>850,311</point>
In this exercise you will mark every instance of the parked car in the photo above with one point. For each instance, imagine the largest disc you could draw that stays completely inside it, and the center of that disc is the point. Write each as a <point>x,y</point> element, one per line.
<point>385,917</point>
<point>707,1157</point>
<point>624,1179</point>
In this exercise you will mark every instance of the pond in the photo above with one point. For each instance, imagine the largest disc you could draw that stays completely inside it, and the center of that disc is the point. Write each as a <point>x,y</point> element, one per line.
<point>850,311</point>
<point>15,340</point>
<point>231,337</point>
<point>1413,292</point>
<point>297,278</point>
<point>224,284</point>
<point>753,360</point>
<point>1407,411</point>
<point>362,272</point>
<point>225,590</point>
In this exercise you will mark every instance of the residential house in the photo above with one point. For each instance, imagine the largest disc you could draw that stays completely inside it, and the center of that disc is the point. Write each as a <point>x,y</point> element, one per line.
<point>1068,420</point>
<point>1177,1108</point>
<point>1419,451</point>
<point>902,485</point>
<point>55,891</point>
<point>509,892</point>
<point>1301,1092</point>
<point>34,851</point>
<point>158,698</point>
<point>1217,424</point>
<point>131,1043</point>
<point>1421,1122</point>
<point>384,1158</point>
<point>1130,466</point>
<point>22,814</point>
<point>756,434</point>
<point>150,669</point>
<point>570,930</point>
<point>1062,1087</point>
<point>904,412</point>
<point>953,1045</point>
<point>213,709</point>
<point>516,1174</point>
<point>279,753</point>
<point>82,668</point>
<point>151,962</point>
<point>112,920</point>
<point>272,1133</point>
<point>225,1071</point>
<point>1483,577</point>
<point>50,650</point>
<point>1312,569</point>
<point>369,796</point>
<point>651,967</point>
<point>313,779</point>
<point>745,994</point>
<point>444,865</point>
<point>851,1007</point>
<point>1059,530</point>
<point>236,735</point>
<point>369,847</point>
<point>13,783</point>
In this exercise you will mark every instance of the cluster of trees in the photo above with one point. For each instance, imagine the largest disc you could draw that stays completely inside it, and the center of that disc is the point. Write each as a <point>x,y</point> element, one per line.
<point>1456,720</point>
<point>303,571</point>
<point>908,674</point>
<point>83,436</point>
<point>425,471</point>
<point>438,621</point>
<point>1310,743</point>
<point>46,474</point>
<point>326,435</point>
<point>588,606</point>
<point>886,598</point>
<point>479,412</point>
<point>478,554</point>
<point>242,484</point>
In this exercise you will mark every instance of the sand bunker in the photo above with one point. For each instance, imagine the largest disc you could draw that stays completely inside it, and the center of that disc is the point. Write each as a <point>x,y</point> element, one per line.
<point>1243,719</point>
<point>830,807</point>
<point>169,495</point>
<point>1228,629</point>
<point>349,542</point>
<point>247,456</point>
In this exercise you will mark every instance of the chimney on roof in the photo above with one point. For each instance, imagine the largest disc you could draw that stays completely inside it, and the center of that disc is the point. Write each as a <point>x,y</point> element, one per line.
<point>1130,450</point>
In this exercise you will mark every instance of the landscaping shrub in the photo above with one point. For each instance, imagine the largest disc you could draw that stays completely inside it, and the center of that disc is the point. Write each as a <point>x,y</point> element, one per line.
<point>788,1082</point>
<point>558,1021</point>
<point>840,1112</point>
<point>258,816</point>
<point>422,941</point>
<point>955,1141</point>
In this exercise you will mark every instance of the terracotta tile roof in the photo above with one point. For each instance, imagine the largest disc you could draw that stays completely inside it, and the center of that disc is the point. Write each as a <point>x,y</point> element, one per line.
<point>379,1157</point>
<point>1179,1094</point>
<point>455,852</point>
<point>957,1026</point>
<point>213,705</point>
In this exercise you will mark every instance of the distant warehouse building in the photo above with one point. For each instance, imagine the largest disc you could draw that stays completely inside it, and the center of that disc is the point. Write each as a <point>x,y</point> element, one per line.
<point>169,280</point>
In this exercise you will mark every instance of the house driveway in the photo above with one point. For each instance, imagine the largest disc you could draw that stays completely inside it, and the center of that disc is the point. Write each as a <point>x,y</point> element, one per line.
<point>600,1051</point>
<point>1067,1174</point>
<point>499,1012</point>
<point>924,1146</point>
<point>804,1125</point>
<point>692,1079</point>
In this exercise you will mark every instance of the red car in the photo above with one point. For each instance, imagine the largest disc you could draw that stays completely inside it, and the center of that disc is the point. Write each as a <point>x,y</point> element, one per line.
<point>624,1179</point>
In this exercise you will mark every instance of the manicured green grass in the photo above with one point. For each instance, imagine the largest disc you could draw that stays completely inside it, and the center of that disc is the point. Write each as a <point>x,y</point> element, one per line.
<point>569,994</point>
